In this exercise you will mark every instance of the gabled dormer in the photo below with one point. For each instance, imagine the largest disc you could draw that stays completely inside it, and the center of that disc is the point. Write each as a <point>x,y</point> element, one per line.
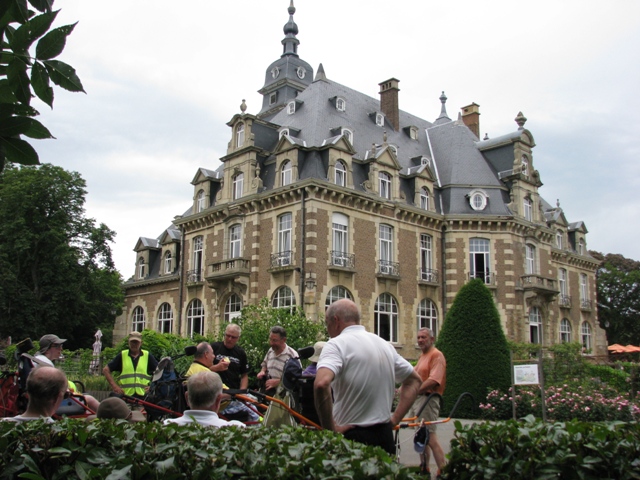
<point>421,181</point>
<point>577,234</point>
<point>170,251</point>
<point>147,250</point>
<point>384,170</point>
<point>203,189</point>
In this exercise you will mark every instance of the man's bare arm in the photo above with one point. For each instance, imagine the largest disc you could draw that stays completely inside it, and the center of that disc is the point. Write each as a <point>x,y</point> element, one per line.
<point>323,400</point>
<point>408,393</point>
<point>106,371</point>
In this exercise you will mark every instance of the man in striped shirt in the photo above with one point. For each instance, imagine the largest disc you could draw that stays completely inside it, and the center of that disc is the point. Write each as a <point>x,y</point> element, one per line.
<point>274,360</point>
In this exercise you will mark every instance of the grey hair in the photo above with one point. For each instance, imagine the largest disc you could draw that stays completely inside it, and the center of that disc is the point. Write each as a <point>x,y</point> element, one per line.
<point>204,388</point>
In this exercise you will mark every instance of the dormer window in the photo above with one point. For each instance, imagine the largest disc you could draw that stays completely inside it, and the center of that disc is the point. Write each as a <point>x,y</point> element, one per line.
<point>238,184</point>
<point>141,268</point>
<point>301,72</point>
<point>283,132</point>
<point>559,239</point>
<point>273,98</point>
<point>424,198</point>
<point>340,174</point>
<point>424,161</point>
<point>413,133</point>
<point>275,71</point>
<point>348,134</point>
<point>394,149</point>
<point>286,175</point>
<point>380,119</point>
<point>341,104</point>
<point>240,135</point>
<point>527,209</point>
<point>384,185</point>
<point>200,202</point>
<point>167,263</point>
<point>478,200</point>
<point>581,247</point>
<point>291,108</point>
<point>524,169</point>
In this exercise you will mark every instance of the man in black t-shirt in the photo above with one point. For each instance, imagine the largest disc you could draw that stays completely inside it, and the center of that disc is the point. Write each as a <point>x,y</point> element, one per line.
<point>231,360</point>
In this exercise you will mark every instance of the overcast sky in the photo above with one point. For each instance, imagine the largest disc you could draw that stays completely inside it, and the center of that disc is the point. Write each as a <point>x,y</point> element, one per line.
<point>163,78</point>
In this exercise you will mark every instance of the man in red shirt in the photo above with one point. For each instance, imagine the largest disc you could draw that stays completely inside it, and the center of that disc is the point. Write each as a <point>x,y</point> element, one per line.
<point>431,368</point>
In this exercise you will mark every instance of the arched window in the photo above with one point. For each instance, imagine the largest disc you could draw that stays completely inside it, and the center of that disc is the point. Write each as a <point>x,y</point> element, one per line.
<point>535,325</point>
<point>137,319</point>
<point>527,209</point>
<point>559,236</point>
<point>585,336</point>
<point>195,318</point>
<point>337,293</point>
<point>284,239</point>
<point>235,241</point>
<point>200,202</point>
<point>424,198</point>
<point>167,263</point>
<point>284,298</point>
<point>386,317</point>
<point>348,134</point>
<point>565,331</point>
<point>240,135</point>
<point>340,174</point>
<point>141,270</point>
<point>286,174</point>
<point>238,185</point>
<point>196,273</point>
<point>165,318</point>
<point>233,308</point>
<point>291,108</point>
<point>379,119</point>
<point>384,185</point>
<point>530,259</point>
<point>341,105</point>
<point>427,315</point>
<point>387,264</point>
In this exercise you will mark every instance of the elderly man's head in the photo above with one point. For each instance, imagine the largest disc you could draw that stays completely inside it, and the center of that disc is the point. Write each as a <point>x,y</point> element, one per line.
<point>204,390</point>
<point>46,387</point>
<point>277,338</point>
<point>231,335</point>
<point>340,315</point>
<point>204,354</point>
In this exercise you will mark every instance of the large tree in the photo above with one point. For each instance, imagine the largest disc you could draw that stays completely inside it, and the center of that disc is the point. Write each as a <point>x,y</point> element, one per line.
<point>475,348</point>
<point>56,271</point>
<point>28,66</point>
<point>618,284</point>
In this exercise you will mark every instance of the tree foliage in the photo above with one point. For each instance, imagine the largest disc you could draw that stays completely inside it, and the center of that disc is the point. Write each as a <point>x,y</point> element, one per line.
<point>56,271</point>
<point>475,348</point>
<point>28,66</point>
<point>618,285</point>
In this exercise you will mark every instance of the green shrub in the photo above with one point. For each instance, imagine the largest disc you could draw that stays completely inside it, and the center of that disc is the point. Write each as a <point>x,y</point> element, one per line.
<point>531,449</point>
<point>116,449</point>
<point>475,348</point>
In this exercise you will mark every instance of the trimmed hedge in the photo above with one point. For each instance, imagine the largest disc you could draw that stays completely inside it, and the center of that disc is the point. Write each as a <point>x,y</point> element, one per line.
<point>532,449</point>
<point>108,449</point>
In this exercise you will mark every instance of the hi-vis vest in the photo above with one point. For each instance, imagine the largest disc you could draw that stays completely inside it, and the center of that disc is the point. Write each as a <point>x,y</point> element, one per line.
<point>133,381</point>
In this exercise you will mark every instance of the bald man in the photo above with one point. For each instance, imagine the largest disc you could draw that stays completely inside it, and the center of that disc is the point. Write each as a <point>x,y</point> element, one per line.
<point>46,387</point>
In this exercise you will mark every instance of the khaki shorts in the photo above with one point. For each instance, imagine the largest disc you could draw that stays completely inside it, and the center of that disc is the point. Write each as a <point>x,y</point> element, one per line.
<point>429,413</point>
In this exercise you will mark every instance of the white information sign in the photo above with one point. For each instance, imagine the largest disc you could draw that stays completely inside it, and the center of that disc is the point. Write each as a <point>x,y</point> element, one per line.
<point>526,374</point>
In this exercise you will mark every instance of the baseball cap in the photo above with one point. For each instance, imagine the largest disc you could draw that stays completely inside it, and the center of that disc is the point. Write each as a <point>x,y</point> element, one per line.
<point>135,336</point>
<point>114,407</point>
<point>50,339</point>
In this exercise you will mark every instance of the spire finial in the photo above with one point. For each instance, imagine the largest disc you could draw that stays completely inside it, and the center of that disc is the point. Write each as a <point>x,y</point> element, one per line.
<point>520,120</point>
<point>290,41</point>
<point>443,110</point>
<point>557,202</point>
<point>243,106</point>
<point>384,137</point>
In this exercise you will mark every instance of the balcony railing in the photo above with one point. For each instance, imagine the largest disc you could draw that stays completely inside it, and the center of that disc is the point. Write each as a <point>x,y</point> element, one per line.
<point>282,259</point>
<point>428,275</point>
<point>388,268</point>
<point>342,259</point>
<point>489,278</point>
<point>533,280</point>
<point>564,301</point>
<point>194,276</point>
<point>585,304</point>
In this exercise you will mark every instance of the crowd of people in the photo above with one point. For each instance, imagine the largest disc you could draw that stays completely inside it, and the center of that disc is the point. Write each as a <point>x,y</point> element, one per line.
<point>356,373</point>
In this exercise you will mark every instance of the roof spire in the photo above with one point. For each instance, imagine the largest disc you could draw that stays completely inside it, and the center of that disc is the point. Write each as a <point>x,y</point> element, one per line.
<point>520,120</point>
<point>290,42</point>
<point>443,111</point>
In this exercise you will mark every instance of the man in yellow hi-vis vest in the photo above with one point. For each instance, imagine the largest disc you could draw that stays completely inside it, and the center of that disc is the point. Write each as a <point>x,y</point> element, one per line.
<point>136,367</point>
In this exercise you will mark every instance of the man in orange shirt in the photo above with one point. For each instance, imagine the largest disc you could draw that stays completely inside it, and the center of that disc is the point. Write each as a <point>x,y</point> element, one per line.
<point>432,368</point>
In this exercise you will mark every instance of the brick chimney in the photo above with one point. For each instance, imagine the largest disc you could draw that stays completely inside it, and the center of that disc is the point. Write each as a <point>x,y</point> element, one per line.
<point>389,101</point>
<point>471,118</point>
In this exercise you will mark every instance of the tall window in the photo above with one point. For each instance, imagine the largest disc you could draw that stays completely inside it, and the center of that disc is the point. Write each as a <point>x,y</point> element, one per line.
<point>535,325</point>
<point>379,120</point>
<point>141,268</point>
<point>238,185</point>
<point>167,262</point>
<point>233,308</point>
<point>585,336</point>
<point>559,239</point>
<point>427,315</point>
<point>341,105</point>
<point>283,298</point>
<point>426,272</point>
<point>195,318</point>
<point>197,258</point>
<point>137,319</point>
<point>240,135</point>
<point>340,229</point>
<point>284,238</point>
<point>528,209</point>
<point>200,203</point>
<point>384,185</point>
<point>584,290</point>
<point>530,260</point>
<point>286,174</point>
<point>581,247</point>
<point>479,259</point>
<point>165,319</point>
<point>340,174</point>
<point>337,293</point>
<point>562,283</point>
<point>565,331</point>
<point>424,198</point>
<point>235,241</point>
<point>386,243</point>
<point>291,108</point>
<point>386,317</point>
<point>525,166</point>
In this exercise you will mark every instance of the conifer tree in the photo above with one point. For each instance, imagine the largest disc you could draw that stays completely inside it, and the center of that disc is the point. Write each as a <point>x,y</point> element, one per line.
<point>475,348</point>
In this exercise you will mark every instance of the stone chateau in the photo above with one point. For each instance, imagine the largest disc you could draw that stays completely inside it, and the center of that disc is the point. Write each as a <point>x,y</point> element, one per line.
<point>328,193</point>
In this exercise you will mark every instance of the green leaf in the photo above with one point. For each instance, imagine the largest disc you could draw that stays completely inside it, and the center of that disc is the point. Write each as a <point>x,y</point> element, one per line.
<point>40,83</point>
<point>19,81</point>
<point>9,109</point>
<point>64,75</point>
<point>42,5</point>
<point>26,34</point>
<point>14,126</point>
<point>120,474</point>
<point>31,465</point>
<point>7,95</point>
<point>52,44</point>
<point>19,151</point>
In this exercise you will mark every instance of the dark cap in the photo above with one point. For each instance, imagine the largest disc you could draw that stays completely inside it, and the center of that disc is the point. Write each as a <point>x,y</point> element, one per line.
<point>50,339</point>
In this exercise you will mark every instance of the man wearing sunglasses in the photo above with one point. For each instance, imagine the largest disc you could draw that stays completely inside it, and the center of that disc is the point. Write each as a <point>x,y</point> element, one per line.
<point>231,360</point>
